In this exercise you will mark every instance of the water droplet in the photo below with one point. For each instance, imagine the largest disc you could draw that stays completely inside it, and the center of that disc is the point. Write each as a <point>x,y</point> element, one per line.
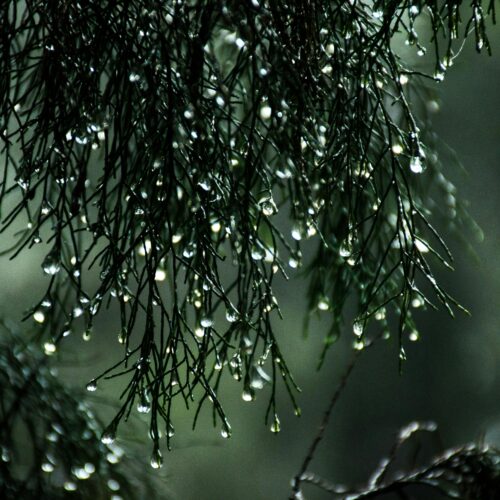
<point>113,484</point>
<point>160,275</point>
<point>397,149</point>
<point>143,406</point>
<point>206,322</point>
<point>345,249</point>
<point>297,232</point>
<point>5,455</point>
<point>38,316</point>
<point>257,253</point>
<point>380,314</point>
<point>108,437</point>
<point>416,165</point>
<point>417,302</point>
<point>80,473</point>
<point>414,336</point>
<point>70,486</point>
<point>359,344</point>
<point>215,227</point>
<point>268,207</point>
<point>266,112</point>
<point>87,334</point>
<point>89,467</point>
<point>439,76</point>
<point>47,467</point>
<point>92,386</point>
<point>231,316</point>
<point>276,426</point>
<point>49,348</point>
<point>248,395</point>
<point>156,459</point>
<point>226,431</point>
<point>51,264</point>
<point>358,328</point>
<point>323,303</point>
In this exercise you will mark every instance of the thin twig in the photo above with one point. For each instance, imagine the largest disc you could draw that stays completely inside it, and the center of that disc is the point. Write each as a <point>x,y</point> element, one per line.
<point>324,423</point>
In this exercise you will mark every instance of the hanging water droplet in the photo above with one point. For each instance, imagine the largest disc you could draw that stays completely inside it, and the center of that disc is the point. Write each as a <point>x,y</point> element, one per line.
<point>416,165</point>
<point>359,344</point>
<point>206,322</point>
<point>248,395</point>
<point>345,249</point>
<point>357,328</point>
<point>397,149</point>
<point>51,264</point>
<point>92,386</point>
<point>70,486</point>
<point>257,253</point>
<point>49,348</point>
<point>231,316</point>
<point>38,316</point>
<point>323,303</point>
<point>108,437</point>
<point>47,467</point>
<point>414,336</point>
<point>160,274</point>
<point>215,227</point>
<point>297,232</point>
<point>5,455</point>
<point>265,112</point>
<point>77,311</point>
<point>113,484</point>
<point>268,206</point>
<point>417,302</point>
<point>439,76</point>
<point>380,314</point>
<point>87,334</point>
<point>226,431</point>
<point>276,426</point>
<point>156,459</point>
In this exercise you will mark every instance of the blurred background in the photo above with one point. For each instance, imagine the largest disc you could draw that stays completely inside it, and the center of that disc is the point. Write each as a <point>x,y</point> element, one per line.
<point>452,375</point>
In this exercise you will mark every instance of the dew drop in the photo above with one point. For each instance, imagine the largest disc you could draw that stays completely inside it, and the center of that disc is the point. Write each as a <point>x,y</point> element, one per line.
<point>206,322</point>
<point>49,348</point>
<point>92,386</point>
<point>226,431</point>
<point>324,304</point>
<point>276,426</point>
<point>87,334</point>
<point>231,316</point>
<point>51,264</point>
<point>357,328</point>
<point>70,486</point>
<point>414,336</point>
<point>416,165</point>
<point>156,459</point>
<point>113,484</point>
<point>38,316</point>
<point>47,467</point>
<point>248,395</point>
<point>265,112</point>
<point>108,437</point>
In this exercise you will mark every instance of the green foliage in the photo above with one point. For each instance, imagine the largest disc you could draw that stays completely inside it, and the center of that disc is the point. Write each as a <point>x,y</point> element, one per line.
<point>184,151</point>
<point>50,439</point>
<point>467,472</point>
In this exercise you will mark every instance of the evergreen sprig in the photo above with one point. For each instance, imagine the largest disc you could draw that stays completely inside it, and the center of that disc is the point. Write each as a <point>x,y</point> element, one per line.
<point>50,440</point>
<point>183,150</point>
<point>467,472</point>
